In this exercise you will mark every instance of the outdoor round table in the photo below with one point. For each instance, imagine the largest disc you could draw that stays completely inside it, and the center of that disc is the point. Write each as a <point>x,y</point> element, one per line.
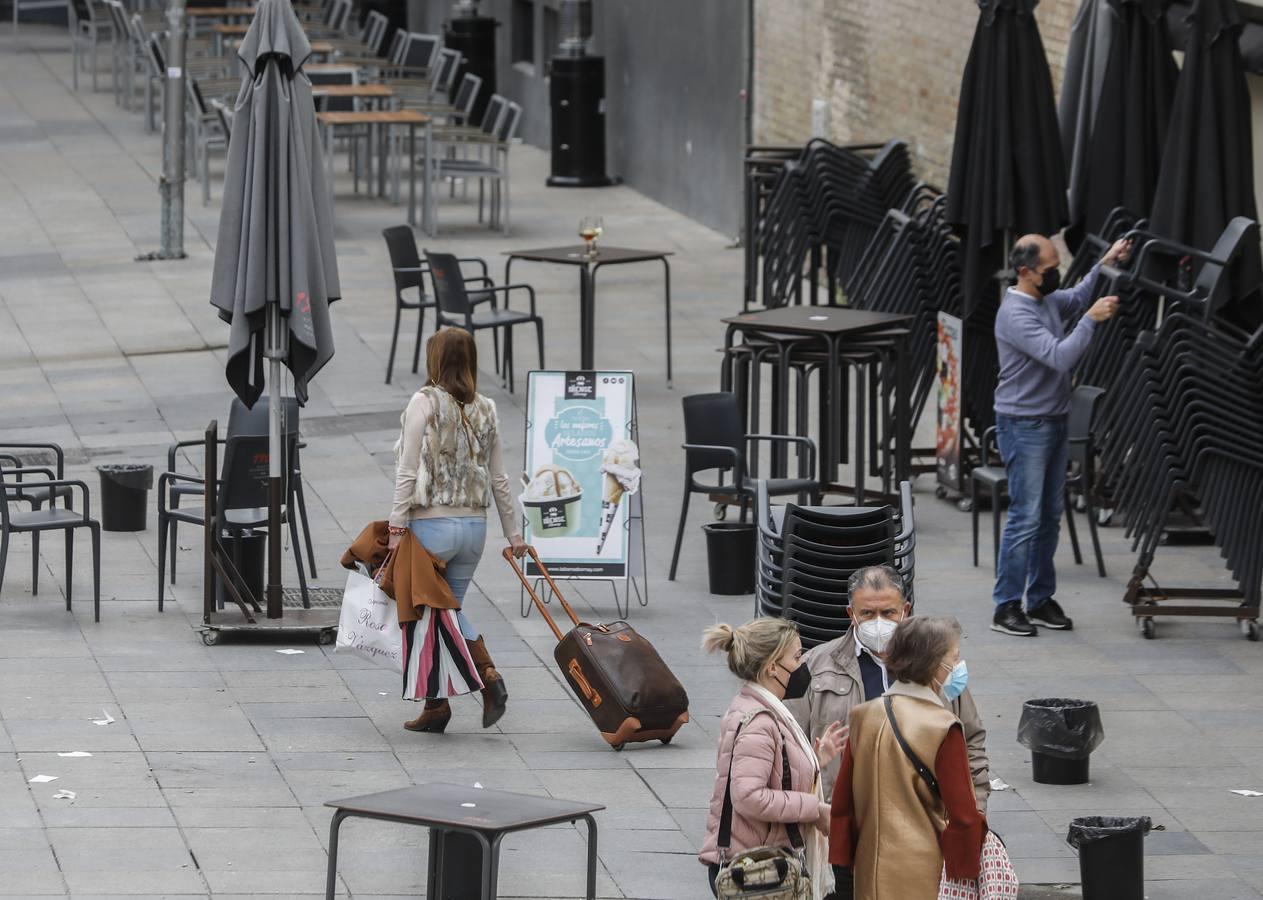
<point>588,266</point>
<point>486,816</point>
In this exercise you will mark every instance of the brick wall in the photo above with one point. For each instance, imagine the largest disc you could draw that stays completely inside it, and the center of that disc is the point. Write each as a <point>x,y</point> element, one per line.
<point>887,68</point>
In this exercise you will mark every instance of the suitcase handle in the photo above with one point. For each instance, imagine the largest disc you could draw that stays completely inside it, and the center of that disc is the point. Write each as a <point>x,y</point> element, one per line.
<point>539,604</point>
<point>576,672</point>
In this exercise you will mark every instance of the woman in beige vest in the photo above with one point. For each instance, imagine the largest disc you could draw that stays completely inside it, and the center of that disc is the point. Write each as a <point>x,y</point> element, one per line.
<point>448,471</point>
<point>892,828</point>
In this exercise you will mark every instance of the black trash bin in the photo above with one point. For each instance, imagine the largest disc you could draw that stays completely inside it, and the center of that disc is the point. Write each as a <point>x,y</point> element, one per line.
<point>1061,735</point>
<point>730,554</point>
<point>248,551</point>
<point>125,496</point>
<point>1111,856</point>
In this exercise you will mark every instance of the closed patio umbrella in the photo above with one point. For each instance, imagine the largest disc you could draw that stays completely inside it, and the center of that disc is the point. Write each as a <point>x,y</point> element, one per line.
<point>1207,173</point>
<point>275,271</point>
<point>1116,162</point>
<point>1007,176</point>
<point>1083,77</point>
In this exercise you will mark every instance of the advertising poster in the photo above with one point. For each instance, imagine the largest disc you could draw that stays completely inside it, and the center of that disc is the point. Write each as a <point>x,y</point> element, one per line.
<point>947,436</point>
<point>582,468</point>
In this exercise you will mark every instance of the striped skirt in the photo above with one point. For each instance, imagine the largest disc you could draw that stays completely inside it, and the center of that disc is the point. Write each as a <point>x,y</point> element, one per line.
<point>437,664</point>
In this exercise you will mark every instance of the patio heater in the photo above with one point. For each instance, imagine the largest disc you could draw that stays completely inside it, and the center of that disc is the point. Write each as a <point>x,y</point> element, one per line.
<point>577,98</point>
<point>474,36</point>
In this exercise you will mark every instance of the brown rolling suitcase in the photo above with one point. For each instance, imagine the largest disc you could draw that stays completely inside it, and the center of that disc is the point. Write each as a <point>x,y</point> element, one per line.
<point>618,676</point>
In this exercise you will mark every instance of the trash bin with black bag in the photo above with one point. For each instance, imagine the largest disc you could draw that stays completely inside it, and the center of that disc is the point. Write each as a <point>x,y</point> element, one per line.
<point>730,555</point>
<point>1111,855</point>
<point>125,496</point>
<point>1061,735</point>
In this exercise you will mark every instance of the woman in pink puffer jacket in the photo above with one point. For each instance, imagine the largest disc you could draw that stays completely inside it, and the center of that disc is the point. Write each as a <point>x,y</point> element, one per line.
<point>767,655</point>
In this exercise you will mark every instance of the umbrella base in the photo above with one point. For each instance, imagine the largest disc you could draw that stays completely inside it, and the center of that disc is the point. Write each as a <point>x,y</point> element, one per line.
<point>322,624</point>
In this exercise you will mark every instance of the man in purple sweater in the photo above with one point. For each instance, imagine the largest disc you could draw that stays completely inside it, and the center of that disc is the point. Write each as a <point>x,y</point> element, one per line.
<point>1032,400</point>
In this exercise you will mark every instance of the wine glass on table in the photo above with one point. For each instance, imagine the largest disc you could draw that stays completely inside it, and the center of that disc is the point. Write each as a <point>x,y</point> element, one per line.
<point>588,231</point>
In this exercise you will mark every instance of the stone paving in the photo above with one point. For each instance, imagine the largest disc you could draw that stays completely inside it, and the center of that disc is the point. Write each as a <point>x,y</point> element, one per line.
<point>211,778</point>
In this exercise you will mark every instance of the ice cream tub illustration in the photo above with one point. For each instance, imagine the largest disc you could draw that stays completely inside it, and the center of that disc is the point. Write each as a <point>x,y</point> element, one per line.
<point>551,501</point>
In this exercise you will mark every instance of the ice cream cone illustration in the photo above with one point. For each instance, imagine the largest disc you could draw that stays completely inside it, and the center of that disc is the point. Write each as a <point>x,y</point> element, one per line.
<point>621,476</point>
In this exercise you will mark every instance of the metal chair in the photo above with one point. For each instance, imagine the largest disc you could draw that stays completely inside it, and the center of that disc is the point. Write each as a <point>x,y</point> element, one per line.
<point>410,274</point>
<point>495,168</point>
<point>242,502</point>
<point>53,518</point>
<point>714,439</point>
<point>88,28</point>
<point>459,309</point>
<point>35,494</point>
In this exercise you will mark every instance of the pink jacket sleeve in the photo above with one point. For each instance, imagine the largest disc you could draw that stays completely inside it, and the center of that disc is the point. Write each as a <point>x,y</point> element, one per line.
<point>754,758</point>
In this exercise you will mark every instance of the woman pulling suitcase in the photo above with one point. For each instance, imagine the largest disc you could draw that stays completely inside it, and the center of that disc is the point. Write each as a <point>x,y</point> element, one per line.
<point>448,471</point>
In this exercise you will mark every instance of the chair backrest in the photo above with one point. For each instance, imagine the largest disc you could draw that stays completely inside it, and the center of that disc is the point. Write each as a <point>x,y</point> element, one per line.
<point>195,94</point>
<point>118,17</point>
<point>507,129</point>
<point>397,45</point>
<point>1083,403</point>
<point>375,27</point>
<point>445,71</point>
<point>449,284</point>
<point>253,420</point>
<point>402,246</point>
<point>225,118</point>
<point>243,480</point>
<point>420,49</point>
<point>497,106</point>
<point>466,94</point>
<point>338,15</point>
<point>334,104</point>
<point>713,419</point>
<point>157,63</point>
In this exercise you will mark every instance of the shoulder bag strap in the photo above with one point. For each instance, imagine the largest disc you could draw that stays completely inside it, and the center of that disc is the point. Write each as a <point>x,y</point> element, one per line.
<point>921,767</point>
<point>724,839</point>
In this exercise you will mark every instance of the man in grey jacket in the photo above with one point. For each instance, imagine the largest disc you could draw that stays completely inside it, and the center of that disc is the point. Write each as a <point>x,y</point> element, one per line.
<point>1032,399</point>
<point>849,670</point>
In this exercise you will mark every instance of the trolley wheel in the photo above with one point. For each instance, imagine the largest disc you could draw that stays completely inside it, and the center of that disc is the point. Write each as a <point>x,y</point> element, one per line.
<point>940,492</point>
<point>326,637</point>
<point>1251,629</point>
<point>619,746</point>
<point>667,740</point>
<point>965,504</point>
<point>1148,629</point>
<point>1104,516</point>
<point>721,512</point>
<point>210,638</point>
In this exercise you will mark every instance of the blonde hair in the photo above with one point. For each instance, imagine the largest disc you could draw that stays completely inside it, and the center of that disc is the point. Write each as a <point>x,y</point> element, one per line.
<point>751,646</point>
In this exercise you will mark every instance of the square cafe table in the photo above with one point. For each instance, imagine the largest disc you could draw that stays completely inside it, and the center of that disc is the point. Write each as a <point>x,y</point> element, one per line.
<point>486,816</point>
<point>588,266</point>
<point>834,326</point>
<point>384,119</point>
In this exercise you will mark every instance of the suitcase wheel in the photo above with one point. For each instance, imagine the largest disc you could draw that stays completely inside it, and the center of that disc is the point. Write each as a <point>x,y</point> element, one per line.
<point>665,740</point>
<point>619,746</point>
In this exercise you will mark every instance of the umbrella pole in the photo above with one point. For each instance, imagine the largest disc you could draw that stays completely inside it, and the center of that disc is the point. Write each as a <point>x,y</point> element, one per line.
<point>274,354</point>
<point>171,241</point>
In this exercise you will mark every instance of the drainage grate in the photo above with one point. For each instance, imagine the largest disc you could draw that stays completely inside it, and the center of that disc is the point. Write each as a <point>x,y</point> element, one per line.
<point>321,598</point>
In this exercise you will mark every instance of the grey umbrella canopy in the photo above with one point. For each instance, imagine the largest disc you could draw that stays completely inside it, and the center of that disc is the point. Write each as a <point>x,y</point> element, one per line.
<point>275,246</point>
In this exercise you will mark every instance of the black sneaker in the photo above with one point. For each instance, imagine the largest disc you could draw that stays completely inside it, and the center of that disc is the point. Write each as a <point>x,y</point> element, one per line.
<point>1050,615</point>
<point>1009,619</point>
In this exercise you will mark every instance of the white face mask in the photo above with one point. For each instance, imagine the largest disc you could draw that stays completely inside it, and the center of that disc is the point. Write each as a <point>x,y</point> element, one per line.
<point>875,634</point>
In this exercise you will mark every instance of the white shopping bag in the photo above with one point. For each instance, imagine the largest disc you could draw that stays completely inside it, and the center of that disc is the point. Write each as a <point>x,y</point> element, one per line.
<point>369,624</point>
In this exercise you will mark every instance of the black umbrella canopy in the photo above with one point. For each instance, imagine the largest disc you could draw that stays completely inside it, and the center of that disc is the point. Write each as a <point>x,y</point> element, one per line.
<point>1116,162</point>
<point>1007,175</point>
<point>275,242</point>
<point>1087,55</point>
<point>1207,174</point>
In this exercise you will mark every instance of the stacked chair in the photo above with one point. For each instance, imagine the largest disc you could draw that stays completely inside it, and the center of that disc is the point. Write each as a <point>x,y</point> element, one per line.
<point>1180,430</point>
<point>807,555</point>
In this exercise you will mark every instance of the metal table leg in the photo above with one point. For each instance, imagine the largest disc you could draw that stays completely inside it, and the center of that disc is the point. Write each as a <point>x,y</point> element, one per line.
<point>431,225</point>
<point>591,894</point>
<point>412,175</point>
<point>331,880</point>
<point>667,295</point>
<point>587,313</point>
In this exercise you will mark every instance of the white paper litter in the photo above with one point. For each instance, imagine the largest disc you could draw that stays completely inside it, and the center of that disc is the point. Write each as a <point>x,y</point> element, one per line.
<point>997,784</point>
<point>291,652</point>
<point>470,805</point>
<point>383,694</point>
<point>477,785</point>
<point>42,779</point>
<point>75,754</point>
<point>1247,793</point>
<point>106,721</point>
<point>64,795</point>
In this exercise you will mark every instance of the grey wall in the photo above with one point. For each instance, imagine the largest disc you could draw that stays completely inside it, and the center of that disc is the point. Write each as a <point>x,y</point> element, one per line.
<point>675,71</point>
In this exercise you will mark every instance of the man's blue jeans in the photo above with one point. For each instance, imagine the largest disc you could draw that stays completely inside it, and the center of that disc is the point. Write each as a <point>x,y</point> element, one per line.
<point>1034,451</point>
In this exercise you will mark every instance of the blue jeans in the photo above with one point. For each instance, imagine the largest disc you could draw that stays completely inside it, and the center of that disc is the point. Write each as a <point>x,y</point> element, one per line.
<point>458,541</point>
<point>1035,457</point>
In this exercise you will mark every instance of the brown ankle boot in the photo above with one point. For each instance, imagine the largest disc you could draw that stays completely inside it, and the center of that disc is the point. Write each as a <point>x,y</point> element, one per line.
<point>495,696</point>
<point>433,718</point>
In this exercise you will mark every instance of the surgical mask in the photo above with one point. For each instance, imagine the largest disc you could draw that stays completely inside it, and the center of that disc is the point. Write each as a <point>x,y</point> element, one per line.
<point>875,634</point>
<point>956,681</point>
<point>1050,281</point>
<point>799,679</point>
